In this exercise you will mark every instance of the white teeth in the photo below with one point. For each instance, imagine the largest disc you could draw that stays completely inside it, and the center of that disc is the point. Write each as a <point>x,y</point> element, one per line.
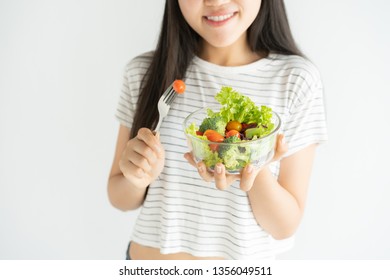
<point>220,18</point>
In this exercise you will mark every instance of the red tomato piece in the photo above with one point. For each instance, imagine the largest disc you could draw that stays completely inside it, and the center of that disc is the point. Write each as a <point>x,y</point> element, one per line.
<point>179,86</point>
<point>233,132</point>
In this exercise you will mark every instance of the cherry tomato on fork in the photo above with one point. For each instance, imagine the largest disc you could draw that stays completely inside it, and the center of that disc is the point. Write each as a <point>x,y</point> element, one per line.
<point>179,86</point>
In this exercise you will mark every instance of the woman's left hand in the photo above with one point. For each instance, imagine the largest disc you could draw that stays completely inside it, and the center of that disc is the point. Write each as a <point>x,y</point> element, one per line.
<point>247,176</point>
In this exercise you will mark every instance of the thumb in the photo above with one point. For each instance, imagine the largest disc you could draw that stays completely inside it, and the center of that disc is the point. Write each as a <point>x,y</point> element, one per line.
<point>281,147</point>
<point>248,176</point>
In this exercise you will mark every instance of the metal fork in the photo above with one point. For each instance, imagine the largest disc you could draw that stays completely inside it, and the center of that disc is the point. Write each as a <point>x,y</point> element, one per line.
<point>164,104</point>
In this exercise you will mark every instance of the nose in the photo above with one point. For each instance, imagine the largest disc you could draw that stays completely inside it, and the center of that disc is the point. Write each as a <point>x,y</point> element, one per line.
<point>215,2</point>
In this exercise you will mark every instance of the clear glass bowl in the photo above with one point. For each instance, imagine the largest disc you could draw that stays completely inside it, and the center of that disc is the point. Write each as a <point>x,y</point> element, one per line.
<point>257,152</point>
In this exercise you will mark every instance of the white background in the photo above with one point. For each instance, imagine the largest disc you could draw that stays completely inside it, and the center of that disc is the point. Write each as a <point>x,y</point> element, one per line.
<point>61,65</point>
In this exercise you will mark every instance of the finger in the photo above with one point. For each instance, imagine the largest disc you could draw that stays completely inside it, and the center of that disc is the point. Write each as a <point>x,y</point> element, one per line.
<point>248,176</point>
<point>281,147</point>
<point>145,151</point>
<point>129,169</point>
<point>203,172</point>
<point>139,161</point>
<point>190,159</point>
<point>202,169</point>
<point>220,176</point>
<point>150,139</point>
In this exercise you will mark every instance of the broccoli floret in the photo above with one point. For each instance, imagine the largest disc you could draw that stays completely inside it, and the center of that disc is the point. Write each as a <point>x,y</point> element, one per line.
<point>233,156</point>
<point>222,149</point>
<point>215,122</point>
<point>231,139</point>
<point>211,159</point>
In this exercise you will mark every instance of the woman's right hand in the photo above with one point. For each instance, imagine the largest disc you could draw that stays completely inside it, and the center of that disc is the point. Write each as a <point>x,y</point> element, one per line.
<point>143,158</point>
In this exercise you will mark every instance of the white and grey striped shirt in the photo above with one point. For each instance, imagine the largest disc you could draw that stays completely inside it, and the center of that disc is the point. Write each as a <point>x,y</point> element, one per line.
<point>183,213</point>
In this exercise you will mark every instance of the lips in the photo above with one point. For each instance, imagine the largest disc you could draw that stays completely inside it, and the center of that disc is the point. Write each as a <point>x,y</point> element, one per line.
<point>219,18</point>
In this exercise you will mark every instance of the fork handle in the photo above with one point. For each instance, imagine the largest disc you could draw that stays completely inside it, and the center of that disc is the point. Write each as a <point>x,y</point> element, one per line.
<point>158,124</point>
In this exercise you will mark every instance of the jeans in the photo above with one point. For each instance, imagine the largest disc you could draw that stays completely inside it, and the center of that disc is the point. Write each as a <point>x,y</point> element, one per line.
<point>127,252</point>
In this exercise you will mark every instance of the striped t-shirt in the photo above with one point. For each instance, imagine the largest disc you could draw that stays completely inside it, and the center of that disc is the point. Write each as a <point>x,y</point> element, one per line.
<point>183,213</point>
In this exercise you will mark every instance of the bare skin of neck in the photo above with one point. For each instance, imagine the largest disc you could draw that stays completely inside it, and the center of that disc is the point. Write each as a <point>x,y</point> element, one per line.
<point>236,54</point>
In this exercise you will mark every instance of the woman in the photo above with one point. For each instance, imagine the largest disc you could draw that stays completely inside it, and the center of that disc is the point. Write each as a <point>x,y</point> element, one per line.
<point>190,213</point>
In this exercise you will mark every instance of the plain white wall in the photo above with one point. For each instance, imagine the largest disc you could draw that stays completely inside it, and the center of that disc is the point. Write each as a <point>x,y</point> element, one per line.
<point>61,68</point>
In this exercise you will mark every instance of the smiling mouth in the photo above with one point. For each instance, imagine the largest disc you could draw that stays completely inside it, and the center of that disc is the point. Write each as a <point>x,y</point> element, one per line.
<point>220,18</point>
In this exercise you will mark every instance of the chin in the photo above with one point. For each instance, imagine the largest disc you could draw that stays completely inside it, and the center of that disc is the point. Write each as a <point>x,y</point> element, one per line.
<point>221,43</point>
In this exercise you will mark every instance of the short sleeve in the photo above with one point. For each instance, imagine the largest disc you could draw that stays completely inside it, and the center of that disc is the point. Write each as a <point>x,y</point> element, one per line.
<point>306,123</point>
<point>133,74</point>
<point>126,107</point>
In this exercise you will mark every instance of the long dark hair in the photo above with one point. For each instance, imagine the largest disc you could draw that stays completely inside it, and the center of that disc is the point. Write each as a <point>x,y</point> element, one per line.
<point>179,43</point>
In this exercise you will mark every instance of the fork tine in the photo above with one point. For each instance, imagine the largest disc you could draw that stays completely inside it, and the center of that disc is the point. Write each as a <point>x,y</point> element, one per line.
<point>167,93</point>
<point>171,96</point>
<point>164,103</point>
<point>169,89</point>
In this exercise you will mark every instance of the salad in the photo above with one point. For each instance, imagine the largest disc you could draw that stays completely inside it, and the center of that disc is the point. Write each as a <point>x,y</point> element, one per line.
<point>228,134</point>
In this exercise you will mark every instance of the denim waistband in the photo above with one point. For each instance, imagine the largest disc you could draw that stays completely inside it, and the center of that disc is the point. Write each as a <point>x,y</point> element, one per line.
<point>127,252</point>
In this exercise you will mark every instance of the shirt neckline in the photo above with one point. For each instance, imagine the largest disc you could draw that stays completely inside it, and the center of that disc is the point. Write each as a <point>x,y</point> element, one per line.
<point>234,69</point>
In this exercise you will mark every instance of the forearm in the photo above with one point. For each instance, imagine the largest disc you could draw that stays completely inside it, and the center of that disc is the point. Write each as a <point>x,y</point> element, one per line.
<point>275,209</point>
<point>123,194</point>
